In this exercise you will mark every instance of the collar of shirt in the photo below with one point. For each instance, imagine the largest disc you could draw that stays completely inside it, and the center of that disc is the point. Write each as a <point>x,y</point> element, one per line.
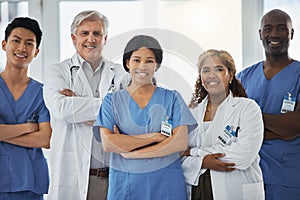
<point>93,77</point>
<point>84,64</point>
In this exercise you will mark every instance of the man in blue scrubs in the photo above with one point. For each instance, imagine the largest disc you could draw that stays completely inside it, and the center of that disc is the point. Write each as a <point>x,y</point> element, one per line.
<point>24,119</point>
<point>275,85</point>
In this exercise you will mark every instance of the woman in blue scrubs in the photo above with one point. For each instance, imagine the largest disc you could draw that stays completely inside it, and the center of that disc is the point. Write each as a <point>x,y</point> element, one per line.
<point>145,127</point>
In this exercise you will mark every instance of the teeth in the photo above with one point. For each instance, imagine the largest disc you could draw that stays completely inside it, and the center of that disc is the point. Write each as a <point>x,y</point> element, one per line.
<point>212,83</point>
<point>20,56</point>
<point>272,42</point>
<point>142,73</point>
<point>90,47</point>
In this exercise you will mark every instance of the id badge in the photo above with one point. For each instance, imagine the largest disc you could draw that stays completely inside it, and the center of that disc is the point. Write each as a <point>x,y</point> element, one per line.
<point>288,103</point>
<point>225,137</point>
<point>33,118</point>
<point>166,128</point>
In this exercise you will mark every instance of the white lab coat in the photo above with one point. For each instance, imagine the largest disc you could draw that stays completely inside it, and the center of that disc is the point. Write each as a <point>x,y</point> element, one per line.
<point>246,181</point>
<point>71,141</point>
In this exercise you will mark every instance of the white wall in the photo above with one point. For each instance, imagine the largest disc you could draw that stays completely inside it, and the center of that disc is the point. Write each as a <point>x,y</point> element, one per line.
<point>230,25</point>
<point>184,29</point>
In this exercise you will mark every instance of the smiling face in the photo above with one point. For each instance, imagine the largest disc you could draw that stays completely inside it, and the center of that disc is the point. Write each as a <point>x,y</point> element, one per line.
<point>89,41</point>
<point>276,32</point>
<point>142,65</point>
<point>215,76</point>
<point>20,48</point>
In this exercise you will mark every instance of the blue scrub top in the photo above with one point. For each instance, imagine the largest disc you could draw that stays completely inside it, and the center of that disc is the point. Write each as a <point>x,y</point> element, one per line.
<point>120,109</point>
<point>23,168</point>
<point>280,159</point>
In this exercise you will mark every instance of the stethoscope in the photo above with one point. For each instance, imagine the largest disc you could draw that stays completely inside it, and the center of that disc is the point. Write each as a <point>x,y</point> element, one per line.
<point>74,69</point>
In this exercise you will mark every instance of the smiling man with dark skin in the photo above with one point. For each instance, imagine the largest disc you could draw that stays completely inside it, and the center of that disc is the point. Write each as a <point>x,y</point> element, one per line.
<point>275,85</point>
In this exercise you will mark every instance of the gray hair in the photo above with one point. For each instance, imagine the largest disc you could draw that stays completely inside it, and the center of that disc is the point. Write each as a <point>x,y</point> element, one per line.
<point>89,15</point>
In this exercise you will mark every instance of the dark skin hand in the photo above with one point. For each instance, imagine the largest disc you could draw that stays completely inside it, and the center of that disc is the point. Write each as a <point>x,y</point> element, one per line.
<point>282,126</point>
<point>185,153</point>
<point>67,92</point>
<point>269,135</point>
<point>211,161</point>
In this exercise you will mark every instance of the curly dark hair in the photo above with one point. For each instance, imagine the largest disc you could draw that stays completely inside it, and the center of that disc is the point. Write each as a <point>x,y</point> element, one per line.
<point>235,86</point>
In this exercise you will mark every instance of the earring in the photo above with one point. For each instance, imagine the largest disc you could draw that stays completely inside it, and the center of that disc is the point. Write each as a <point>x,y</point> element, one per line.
<point>230,82</point>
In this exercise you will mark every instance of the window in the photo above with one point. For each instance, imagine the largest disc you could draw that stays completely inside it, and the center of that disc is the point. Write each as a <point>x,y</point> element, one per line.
<point>184,29</point>
<point>291,7</point>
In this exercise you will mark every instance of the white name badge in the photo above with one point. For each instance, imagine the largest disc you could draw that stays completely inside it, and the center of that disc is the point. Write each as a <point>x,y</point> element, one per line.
<point>288,103</point>
<point>225,137</point>
<point>166,128</point>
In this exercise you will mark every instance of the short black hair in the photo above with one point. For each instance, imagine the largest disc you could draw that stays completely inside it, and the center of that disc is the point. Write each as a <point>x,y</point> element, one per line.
<point>140,41</point>
<point>27,23</point>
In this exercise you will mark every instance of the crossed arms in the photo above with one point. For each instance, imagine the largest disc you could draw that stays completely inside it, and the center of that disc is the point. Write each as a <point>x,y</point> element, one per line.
<point>282,126</point>
<point>30,135</point>
<point>149,145</point>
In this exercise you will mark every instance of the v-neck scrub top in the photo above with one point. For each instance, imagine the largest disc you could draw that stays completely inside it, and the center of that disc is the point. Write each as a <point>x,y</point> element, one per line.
<point>163,176</point>
<point>280,159</point>
<point>22,168</point>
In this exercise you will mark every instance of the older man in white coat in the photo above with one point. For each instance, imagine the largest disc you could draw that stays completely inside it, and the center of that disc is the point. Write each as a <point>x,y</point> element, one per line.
<point>73,93</point>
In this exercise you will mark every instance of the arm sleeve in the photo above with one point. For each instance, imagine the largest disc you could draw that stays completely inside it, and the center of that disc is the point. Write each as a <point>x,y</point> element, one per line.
<point>70,109</point>
<point>106,117</point>
<point>192,169</point>
<point>44,114</point>
<point>249,141</point>
<point>181,114</point>
<point>191,165</point>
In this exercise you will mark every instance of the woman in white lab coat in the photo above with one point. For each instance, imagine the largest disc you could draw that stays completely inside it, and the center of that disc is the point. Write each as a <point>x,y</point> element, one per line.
<point>222,161</point>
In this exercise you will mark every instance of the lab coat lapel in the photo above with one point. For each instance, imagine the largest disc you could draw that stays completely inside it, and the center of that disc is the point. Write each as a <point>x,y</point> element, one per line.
<point>218,124</point>
<point>194,137</point>
<point>222,117</point>
<point>80,85</point>
<point>83,81</point>
<point>229,109</point>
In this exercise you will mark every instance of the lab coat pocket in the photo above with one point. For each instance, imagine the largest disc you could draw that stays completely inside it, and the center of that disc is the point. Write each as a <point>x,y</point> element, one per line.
<point>4,173</point>
<point>253,191</point>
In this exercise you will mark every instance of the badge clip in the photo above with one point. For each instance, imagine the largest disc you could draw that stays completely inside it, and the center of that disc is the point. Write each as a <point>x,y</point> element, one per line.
<point>288,103</point>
